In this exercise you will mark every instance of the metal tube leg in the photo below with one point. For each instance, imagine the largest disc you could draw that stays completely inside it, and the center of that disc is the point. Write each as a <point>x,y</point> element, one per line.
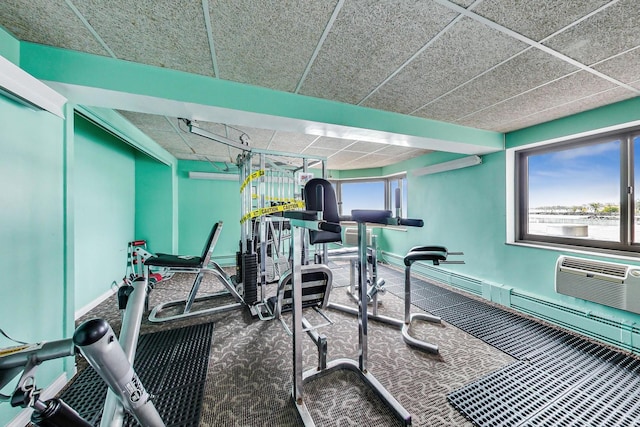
<point>194,291</point>
<point>407,294</point>
<point>296,236</point>
<point>362,300</point>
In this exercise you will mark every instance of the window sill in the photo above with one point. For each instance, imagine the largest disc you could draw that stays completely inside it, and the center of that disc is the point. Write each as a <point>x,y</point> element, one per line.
<point>605,253</point>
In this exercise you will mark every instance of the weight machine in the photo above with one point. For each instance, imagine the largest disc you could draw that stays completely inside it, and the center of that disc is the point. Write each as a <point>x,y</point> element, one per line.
<point>325,229</point>
<point>271,185</point>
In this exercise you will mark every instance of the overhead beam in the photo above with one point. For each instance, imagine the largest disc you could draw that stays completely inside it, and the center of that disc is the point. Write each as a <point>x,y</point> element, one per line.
<point>111,83</point>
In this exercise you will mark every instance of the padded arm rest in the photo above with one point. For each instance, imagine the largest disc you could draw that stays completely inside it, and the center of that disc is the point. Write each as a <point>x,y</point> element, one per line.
<point>330,227</point>
<point>313,216</point>
<point>302,215</point>
<point>373,216</point>
<point>433,256</point>
<point>428,249</point>
<point>411,222</point>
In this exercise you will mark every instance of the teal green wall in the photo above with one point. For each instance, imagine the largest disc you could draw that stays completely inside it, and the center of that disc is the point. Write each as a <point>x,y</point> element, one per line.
<point>201,204</point>
<point>104,195</point>
<point>155,216</point>
<point>462,210</point>
<point>465,210</point>
<point>610,115</point>
<point>33,297</point>
<point>9,47</point>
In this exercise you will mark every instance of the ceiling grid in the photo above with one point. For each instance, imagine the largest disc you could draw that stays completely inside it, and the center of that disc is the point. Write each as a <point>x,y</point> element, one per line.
<point>496,65</point>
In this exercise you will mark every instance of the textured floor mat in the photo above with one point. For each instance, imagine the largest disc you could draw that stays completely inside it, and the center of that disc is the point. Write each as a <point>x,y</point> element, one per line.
<point>559,379</point>
<point>171,364</point>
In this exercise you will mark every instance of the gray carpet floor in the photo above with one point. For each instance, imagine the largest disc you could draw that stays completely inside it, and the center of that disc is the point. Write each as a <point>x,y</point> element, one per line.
<point>250,367</point>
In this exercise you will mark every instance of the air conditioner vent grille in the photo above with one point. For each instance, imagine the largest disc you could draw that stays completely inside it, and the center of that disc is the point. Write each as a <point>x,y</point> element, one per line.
<point>595,267</point>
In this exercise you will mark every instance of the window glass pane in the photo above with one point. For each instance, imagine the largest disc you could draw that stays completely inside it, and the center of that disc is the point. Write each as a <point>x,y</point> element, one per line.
<point>362,195</point>
<point>575,193</point>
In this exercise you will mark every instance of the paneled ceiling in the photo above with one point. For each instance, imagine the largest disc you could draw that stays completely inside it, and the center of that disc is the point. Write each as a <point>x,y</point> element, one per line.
<point>498,65</point>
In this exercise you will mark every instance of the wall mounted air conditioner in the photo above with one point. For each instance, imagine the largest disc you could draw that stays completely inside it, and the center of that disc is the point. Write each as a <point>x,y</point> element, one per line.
<point>607,283</point>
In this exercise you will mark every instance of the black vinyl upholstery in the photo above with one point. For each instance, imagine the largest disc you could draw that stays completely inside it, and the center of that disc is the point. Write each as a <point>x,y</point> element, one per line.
<point>186,261</point>
<point>434,254</point>
<point>328,205</point>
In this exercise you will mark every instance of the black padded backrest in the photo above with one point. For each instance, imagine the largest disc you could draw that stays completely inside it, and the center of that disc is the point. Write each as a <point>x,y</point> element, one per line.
<point>329,211</point>
<point>211,242</point>
<point>316,287</point>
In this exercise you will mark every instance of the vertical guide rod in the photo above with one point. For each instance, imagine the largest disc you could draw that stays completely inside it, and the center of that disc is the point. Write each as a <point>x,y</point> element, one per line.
<point>362,300</point>
<point>296,237</point>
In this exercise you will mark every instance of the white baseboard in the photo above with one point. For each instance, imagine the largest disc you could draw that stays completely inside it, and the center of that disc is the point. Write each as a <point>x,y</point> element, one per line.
<point>84,310</point>
<point>24,417</point>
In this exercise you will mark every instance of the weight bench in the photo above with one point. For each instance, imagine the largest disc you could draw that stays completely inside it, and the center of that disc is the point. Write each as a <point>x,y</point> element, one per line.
<point>198,265</point>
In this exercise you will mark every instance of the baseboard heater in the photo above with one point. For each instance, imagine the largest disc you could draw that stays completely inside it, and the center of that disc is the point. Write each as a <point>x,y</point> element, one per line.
<point>611,284</point>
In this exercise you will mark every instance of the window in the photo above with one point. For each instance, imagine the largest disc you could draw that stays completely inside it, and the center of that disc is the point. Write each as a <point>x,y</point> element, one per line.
<point>371,194</point>
<point>580,193</point>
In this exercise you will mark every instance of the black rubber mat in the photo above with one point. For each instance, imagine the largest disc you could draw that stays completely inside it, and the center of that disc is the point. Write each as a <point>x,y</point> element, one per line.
<point>558,379</point>
<point>171,364</point>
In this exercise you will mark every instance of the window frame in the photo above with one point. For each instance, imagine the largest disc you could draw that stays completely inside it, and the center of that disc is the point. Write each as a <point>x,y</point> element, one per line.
<point>388,197</point>
<point>625,243</point>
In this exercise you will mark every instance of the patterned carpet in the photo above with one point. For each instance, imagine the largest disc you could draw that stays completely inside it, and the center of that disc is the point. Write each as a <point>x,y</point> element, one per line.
<point>250,367</point>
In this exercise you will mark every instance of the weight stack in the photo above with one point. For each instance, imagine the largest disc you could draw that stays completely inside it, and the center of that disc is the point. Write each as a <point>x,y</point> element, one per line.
<point>250,277</point>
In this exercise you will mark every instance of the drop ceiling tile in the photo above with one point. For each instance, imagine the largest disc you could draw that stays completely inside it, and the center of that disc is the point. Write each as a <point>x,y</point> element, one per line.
<point>288,147</point>
<point>163,33</point>
<point>463,52</point>
<point>48,22</point>
<point>395,150</point>
<point>625,68</point>
<point>205,158</point>
<point>566,90</point>
<point>370,161</point>
<point>333,144</point>
<point>536,19</point>
<point>267,43</point>
<point>611,31</point>
<point>186,155</point>
<point>364,146</point>
<point>167,139</point>
<point>524,72</point>
<point>206,146</point>
<point>259,138</point>
<point>219,129</point>
<point>578,106</point>
<point>345,156</point>
<point>463,3</point>
<point>298,141</point>
<point>149,121</point>
<point>417,152</point>
<point>369,40</point>
<point>316,151</point>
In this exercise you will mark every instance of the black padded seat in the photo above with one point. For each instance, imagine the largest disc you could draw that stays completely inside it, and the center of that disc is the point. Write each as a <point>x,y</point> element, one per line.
<point>186,261</point>
<point>435,254</point>
<point>174,261</point>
